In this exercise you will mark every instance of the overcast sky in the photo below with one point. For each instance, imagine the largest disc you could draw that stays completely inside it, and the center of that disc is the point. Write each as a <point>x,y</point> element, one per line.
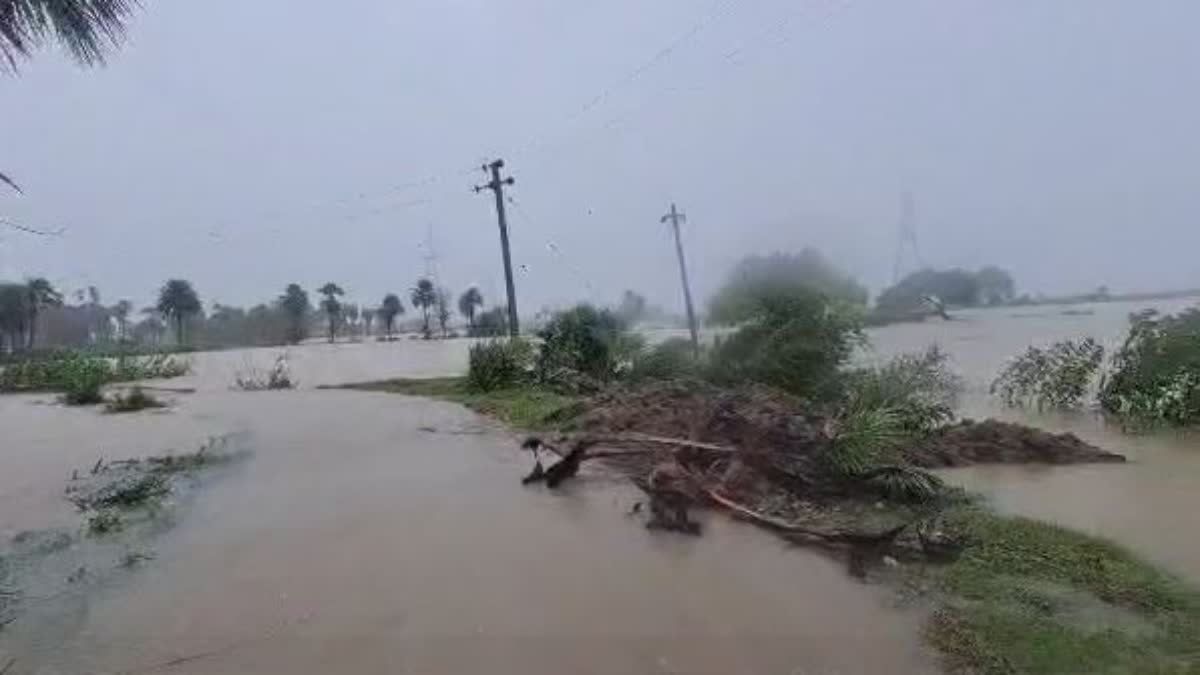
<point>245,145</point>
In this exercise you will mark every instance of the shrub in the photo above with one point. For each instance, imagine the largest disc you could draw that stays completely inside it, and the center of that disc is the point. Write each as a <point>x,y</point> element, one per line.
<point>1155,375</point>
<point>919,389</point>
<point>83,379</point>
<point>250,378</point>
<point>497,364</point>
<point>72,372</point>
<point>132,401</point>
<point>1055,377</point>
<point>584,340</point>
<point>669,359</point>
<point>795,341</point>
<point>492,323</point>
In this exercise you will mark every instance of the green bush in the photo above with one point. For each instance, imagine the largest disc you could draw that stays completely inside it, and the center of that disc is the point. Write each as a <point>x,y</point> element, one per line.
<point>671,358</point>
<point>71,372</point>
<point>497,364</point>
<point>584,340</point>
<point>918,389</point>
<point>795,341</point>
<point>1055,377</point>
<point>1155,375</point>
<point>83,380</point>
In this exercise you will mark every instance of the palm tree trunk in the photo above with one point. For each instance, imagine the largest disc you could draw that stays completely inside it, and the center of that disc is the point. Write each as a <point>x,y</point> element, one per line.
<point>32,327</point>
<point>179,330</point>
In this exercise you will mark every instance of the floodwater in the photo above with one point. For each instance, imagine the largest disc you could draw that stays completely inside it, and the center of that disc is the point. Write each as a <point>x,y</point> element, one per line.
<point>1149,504</point>
<point>374,533</point>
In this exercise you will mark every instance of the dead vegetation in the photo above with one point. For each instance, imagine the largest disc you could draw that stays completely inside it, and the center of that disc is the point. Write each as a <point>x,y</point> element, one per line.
<point>762,455</point>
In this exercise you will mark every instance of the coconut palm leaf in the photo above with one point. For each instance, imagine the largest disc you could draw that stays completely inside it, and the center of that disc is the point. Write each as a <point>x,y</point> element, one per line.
<point>9,182</point>
<point>86,28</point>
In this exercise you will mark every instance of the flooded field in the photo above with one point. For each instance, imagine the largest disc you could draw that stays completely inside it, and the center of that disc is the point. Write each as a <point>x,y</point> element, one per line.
<point>378,533</point>
<point>1146,504</point>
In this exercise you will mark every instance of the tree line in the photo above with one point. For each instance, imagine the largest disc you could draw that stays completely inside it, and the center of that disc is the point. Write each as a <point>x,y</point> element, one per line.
<point>35,315</point>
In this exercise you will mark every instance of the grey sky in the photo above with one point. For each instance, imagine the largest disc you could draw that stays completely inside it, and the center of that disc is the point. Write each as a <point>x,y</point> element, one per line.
<point>248,145</point>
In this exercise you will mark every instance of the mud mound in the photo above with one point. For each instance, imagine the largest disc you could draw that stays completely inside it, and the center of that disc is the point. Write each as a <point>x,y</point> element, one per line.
<point>751,419</point>
<point>994,442</point>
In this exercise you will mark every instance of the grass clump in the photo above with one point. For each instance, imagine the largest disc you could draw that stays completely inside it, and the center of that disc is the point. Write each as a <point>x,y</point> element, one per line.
<point>105,521</point>
<point>1155,375</point>
<point>526,407</point>
<point>1055,377</point>
<point>250,378</point>
<point>1025,596</point>
<point>134,400</point>
<point>497,364</point>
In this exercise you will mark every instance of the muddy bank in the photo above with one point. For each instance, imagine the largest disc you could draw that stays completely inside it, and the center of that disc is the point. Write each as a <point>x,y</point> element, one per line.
<point>995,442</point>
<point>756,419</point>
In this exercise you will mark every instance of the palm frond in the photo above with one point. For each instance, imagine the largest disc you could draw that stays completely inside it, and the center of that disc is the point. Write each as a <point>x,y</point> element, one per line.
<point>905,483</point>
<point>863,434</point>
<point>9,182</point>
<point>86,28</point>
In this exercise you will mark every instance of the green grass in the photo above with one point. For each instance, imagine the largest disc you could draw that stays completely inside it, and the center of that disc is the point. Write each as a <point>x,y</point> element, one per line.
<point>525,407</point>
<point>1029,597</point>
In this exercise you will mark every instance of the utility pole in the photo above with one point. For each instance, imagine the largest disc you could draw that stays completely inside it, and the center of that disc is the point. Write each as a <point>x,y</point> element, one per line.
<point>676,217</point>
<point>496,185</point>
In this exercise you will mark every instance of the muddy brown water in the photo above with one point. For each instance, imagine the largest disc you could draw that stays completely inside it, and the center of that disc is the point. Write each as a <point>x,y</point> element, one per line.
<point>378,533</point>
<point>357,539</point>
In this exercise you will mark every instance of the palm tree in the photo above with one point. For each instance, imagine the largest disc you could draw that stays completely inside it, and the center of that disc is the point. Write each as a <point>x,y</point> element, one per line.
<point>86,28</point>
<point>423,295</point>
<point>40,294</point>
<point>120,312</point>
<point>177,301</point>
<point>468,302</point>
<point>294,303</point>
<point>14,314</point>
<point>388,310</point>
<point>368,315</point>
<point>331,306</point>
<point>442,303</point>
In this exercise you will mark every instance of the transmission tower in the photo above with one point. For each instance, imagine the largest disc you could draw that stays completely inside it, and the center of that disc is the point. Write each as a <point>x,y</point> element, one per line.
<point>908,237</point>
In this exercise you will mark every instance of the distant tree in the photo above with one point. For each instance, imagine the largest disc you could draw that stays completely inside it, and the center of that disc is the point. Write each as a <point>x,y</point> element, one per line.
<point>953,287</point>
<point>150,329</point>
<point>388,310</point>
<point>120,312</point>
<point>368,316</point>
<point>442,306</point>
<point>423,295</point>
<point>177,301</point>
<point>470,301</point>
<point>996,286</point>
<point>632,307</point>
<point>294,303</point>
<point>350,313</point>
<point>14,315</point>
<point>781,274</point>
<point>331,306</point>
<point>40,294</point>
<point>492,323</point>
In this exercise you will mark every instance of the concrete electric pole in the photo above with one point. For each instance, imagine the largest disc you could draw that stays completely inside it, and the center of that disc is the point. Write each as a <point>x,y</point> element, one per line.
<point>676,217</point>
<point>496,185</point>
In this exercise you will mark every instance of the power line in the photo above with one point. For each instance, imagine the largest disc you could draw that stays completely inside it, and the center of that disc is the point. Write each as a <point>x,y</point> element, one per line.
<point>32,230</point>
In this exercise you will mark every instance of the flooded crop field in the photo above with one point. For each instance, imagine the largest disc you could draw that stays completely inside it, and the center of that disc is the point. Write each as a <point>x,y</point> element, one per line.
<point>367,532</point>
